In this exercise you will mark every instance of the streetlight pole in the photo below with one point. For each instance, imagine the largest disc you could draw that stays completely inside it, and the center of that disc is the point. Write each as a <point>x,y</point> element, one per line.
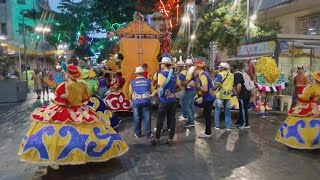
<point>24,47</point>
<point>248,20</point>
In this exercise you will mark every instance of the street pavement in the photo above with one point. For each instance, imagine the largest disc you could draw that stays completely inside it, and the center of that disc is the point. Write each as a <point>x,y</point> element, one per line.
<point>240,154</point>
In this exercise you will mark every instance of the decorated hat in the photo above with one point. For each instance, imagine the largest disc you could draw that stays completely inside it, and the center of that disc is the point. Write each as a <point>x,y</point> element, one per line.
<point>316,76</point>
<point>180,63</point>
<point>166,60</point>
<point>73,72</point>
<point>189,62</point>
<point>85,73</point>
<point>300,67</point>
<point>200,64</point>
<point>92,74</point>
<point>139,70</point>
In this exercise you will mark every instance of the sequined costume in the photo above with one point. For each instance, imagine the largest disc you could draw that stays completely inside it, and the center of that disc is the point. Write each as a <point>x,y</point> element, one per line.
<point>69,132</point>
<point>301,130</point>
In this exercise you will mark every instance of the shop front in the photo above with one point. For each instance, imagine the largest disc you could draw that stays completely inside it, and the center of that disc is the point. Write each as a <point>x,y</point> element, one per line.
<point>289,50</point>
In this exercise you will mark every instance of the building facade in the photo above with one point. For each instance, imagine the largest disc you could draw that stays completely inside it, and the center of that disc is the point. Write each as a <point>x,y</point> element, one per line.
<point>11,32</point>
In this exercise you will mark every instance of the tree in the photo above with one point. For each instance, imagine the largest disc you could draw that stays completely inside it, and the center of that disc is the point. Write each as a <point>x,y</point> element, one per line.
<point>226,24</point>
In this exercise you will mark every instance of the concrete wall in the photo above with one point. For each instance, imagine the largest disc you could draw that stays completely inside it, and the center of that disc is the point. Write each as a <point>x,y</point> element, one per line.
<point>287,15</point>
<point>12,90</point>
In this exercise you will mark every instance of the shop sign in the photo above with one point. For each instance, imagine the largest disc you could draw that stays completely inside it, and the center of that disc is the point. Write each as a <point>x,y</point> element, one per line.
<point>257,49</point>
<point>284,47</point>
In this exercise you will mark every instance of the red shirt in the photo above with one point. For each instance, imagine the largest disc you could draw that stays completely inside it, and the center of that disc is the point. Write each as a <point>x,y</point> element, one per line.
<point>146,74</point>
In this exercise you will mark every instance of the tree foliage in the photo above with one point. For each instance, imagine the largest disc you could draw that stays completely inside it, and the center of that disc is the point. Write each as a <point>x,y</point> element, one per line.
<point>226,24</point>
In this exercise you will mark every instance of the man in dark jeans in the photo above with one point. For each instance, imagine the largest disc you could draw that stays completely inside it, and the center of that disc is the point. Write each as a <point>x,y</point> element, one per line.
<point>243,97</point>
<point>206,88</point>
<point>168,84</point>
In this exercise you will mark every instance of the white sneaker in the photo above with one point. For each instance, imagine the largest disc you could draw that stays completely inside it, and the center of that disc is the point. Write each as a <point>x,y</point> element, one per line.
<point>181,117</point>
<point>54,166</point>
<point>203,135</point>
<point>216,128</point>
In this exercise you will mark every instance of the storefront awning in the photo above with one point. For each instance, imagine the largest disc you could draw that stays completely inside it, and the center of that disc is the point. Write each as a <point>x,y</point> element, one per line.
<point>247,58</point>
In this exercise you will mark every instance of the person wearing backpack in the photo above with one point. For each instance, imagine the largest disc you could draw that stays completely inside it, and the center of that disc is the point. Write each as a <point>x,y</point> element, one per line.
<point>243,86</point>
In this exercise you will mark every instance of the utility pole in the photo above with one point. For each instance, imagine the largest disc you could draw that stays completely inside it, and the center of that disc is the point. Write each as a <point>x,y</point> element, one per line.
<point>248,20</point>
<point>24,46</point>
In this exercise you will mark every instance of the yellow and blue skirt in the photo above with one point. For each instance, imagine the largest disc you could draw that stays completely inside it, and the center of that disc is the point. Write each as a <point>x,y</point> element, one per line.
<point>69,144</point>
<point>300,132</point>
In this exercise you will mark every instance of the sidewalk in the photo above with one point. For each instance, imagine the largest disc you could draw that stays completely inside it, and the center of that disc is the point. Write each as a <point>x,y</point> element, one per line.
<point>240,154</point>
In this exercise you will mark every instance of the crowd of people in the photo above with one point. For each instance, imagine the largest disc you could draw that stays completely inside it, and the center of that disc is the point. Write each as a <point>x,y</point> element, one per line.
<point>181,83</point>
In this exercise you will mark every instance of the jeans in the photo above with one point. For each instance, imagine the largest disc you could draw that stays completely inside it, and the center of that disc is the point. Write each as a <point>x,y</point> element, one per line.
<point>102,91</point>
<point>166,110</point>
<point>207,111</point>
<point>243,107</point>
<point>142,111</point>
<point>188,105</point>
<point>227,112</point>
<point>183,106</point>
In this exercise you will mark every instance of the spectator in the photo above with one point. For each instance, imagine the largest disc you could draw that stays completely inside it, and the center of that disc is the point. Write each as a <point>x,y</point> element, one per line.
<point>243,96</point>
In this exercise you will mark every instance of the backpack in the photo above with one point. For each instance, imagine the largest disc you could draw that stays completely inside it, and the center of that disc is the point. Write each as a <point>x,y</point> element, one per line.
<point>248,83</point>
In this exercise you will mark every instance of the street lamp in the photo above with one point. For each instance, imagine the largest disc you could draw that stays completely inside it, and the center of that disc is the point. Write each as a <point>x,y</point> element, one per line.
<point>193,36</point>
<point>43,30</point>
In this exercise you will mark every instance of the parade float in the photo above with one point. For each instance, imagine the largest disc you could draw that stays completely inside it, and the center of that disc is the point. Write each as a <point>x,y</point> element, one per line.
<point>139,45</point>
<point>268,81</point>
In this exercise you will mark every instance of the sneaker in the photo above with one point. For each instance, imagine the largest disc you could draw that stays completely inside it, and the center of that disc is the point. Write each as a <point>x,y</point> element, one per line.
<point>244,127</point>
<point>54,166</point>
<point>151,136</point>
<point>228,129</point>
<point>137,136</point>
<point>155,142</point>
<point>217,128</point>
<point>183,119</point>
<point>38,97</point>
<point>188,125</point>
<point>237,125</point>
<point>170,142</point>
<point>203,135</point>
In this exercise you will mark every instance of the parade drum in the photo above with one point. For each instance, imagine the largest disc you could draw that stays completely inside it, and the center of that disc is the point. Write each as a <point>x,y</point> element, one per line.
<point>49,82</point>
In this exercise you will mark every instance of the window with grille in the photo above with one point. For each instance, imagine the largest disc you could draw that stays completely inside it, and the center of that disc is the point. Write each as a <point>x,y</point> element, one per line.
<point>21,1</point>
<point>2,1</point>
<point>3,29</point>
<point>309,25</point>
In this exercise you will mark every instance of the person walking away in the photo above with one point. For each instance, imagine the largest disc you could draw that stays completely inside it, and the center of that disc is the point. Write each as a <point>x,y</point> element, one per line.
<point>300,82</point>
<point>188,81</point>
<point>168,84</point>
<point>45,87</point>
<point>36,77</point>
<point>206,90</point>
<point>181,74</point>
<point>243,95</point>
<point>140,90</point>
<point>103,85</point>
<point>223,87</point>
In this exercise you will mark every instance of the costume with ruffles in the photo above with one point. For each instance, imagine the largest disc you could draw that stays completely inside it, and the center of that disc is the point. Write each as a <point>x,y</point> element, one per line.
<point>69,131</point>
<point>301,130</point>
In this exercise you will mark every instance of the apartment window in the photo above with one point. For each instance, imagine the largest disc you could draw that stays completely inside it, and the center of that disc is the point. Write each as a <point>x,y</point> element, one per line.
<point>3,30</point>
<point>21,1</point>
<point>2,1</point>
<point>20,29</point>
<point>309,25</point>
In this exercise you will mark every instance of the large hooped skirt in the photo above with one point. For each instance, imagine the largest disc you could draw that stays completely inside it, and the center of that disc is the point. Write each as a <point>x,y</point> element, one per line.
<point>69,143</point>
<point>300,132</point>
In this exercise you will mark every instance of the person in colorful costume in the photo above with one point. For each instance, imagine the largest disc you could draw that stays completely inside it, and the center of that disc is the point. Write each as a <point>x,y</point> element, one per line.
<point>301,130</point>
<point>268,81</point>
<point>69,132</point>
<point>140,91</point>
<point>88,77</point>
<point>300,82</point>
<point>115,99</point>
